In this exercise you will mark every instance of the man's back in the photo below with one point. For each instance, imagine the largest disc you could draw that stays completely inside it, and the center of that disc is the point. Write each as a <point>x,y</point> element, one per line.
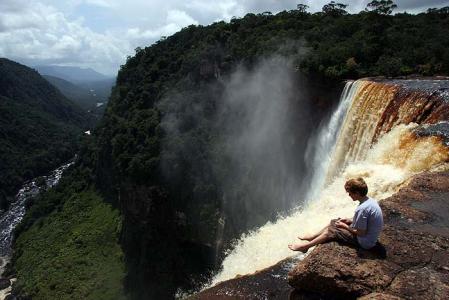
<point>368,216</point>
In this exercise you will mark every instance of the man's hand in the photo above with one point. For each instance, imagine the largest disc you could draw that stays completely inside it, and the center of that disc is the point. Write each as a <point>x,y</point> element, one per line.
<point>354,231</point>
<point>341,224</point>
<point>347,221</point>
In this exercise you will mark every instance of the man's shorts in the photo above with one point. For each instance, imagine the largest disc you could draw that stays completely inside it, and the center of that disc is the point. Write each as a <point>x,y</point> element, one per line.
<point>341,234</point>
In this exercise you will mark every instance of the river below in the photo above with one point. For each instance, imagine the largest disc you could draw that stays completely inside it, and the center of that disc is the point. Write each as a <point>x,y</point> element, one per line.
<point>10,218</point>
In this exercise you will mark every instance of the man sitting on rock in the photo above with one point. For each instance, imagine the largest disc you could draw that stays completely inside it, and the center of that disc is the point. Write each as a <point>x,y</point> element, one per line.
<point>362,231</point>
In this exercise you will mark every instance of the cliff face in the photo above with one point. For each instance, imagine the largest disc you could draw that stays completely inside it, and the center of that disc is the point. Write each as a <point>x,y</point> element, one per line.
<point>179,160</point>
<point>157,255</point>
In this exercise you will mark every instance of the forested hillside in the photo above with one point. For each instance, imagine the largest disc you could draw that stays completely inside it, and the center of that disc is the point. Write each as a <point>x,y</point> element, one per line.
<point>39,127</point>
<point>164,151</point>
<point>77,94</point>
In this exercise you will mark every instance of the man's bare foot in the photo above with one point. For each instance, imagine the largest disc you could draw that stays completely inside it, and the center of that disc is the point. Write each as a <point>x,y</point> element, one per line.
<point>298,247</point>
<point>306,237</point>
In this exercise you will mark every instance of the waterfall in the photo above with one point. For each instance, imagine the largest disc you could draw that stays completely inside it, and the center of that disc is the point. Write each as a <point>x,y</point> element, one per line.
<point>380,106</point>
<point>377,141</point>
<point>360,124</point>
<point>320,149</point>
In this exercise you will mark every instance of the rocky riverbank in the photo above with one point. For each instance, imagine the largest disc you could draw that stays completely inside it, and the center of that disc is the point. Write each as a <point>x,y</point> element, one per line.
<point>415,264</point>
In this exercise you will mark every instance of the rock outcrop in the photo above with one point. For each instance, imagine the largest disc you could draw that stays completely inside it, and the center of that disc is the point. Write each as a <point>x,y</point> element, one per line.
<point>269,283</point>
<point>416,240</point>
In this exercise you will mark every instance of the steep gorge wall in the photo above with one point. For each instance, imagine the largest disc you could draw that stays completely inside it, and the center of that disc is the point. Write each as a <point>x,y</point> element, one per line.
<point>171,232</point>
<point>175,161</point>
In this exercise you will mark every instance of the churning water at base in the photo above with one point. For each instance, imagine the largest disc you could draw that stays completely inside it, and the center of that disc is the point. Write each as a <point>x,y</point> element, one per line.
<point>386,166</point>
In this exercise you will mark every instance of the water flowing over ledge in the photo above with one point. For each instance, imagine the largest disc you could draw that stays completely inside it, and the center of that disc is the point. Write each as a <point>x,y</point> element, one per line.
<point>380,141</point>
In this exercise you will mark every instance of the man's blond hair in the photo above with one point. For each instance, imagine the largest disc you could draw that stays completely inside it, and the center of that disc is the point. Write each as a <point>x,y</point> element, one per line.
<point>356,186</point>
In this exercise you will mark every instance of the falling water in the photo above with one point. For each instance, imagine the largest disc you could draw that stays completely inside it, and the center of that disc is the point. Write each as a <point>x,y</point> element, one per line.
<point>319,151</point>
<point>390,162</point>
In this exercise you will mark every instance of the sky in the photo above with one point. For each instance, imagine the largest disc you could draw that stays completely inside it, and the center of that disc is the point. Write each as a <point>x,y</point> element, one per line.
<point>101,33</point>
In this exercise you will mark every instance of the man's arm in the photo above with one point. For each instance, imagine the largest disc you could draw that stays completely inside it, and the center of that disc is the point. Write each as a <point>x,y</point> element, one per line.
<point>347,221</point>
<point>354,231</point>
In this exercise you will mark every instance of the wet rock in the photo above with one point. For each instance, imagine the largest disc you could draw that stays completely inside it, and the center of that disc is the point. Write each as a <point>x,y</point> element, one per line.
<point>380,296</point>
<point>10,297</point>
<point>333,269</point>
<point>440,129</point>
<point>422,283</point>
<point>269,283</point>
<point>4,283</point>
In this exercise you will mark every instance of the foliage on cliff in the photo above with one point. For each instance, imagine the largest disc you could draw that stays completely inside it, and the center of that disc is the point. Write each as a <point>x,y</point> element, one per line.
<point>67,246</point>
<point>38,126</point>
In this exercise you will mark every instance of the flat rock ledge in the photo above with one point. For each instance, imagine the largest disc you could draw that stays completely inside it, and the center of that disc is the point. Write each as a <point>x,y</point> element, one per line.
<point>413,262</point>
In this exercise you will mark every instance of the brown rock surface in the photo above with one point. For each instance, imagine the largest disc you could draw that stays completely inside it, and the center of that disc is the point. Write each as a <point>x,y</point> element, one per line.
<point>270,283</point>
<point>416,238</point>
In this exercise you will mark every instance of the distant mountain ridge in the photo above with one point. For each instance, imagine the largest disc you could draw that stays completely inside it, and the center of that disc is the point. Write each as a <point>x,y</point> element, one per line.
<point>73,74</point>
<point>79,95</point>
<point>84,86</point>
<point>38,126</point>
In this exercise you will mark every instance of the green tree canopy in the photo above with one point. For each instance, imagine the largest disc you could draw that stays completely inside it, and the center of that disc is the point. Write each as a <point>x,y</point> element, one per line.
<point>382,7</point>
<point>335,9</point>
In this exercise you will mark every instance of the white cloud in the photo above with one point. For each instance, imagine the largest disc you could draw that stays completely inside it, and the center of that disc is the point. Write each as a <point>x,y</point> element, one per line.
<point>216,10</point>
<point>102,3</point>
<point>39,33</point>
<point>174,21</point>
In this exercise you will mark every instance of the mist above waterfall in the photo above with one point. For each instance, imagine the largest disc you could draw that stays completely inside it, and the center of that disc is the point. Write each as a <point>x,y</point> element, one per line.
<point>233,152</point>
<point>265,121</point>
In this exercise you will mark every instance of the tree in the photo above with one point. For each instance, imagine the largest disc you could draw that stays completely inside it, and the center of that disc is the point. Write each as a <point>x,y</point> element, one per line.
<point>443,10</point>
<point>389,66</point>
<point>302,8</point>
<point>381,7</point>
<point>335,9</point>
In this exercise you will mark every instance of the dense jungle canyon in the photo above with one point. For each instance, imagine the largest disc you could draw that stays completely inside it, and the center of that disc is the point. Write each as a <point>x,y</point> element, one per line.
<point>208,134</point>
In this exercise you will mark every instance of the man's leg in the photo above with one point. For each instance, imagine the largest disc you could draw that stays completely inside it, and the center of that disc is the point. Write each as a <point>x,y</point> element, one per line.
<point>310,237</point>
<point>322,238</point>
